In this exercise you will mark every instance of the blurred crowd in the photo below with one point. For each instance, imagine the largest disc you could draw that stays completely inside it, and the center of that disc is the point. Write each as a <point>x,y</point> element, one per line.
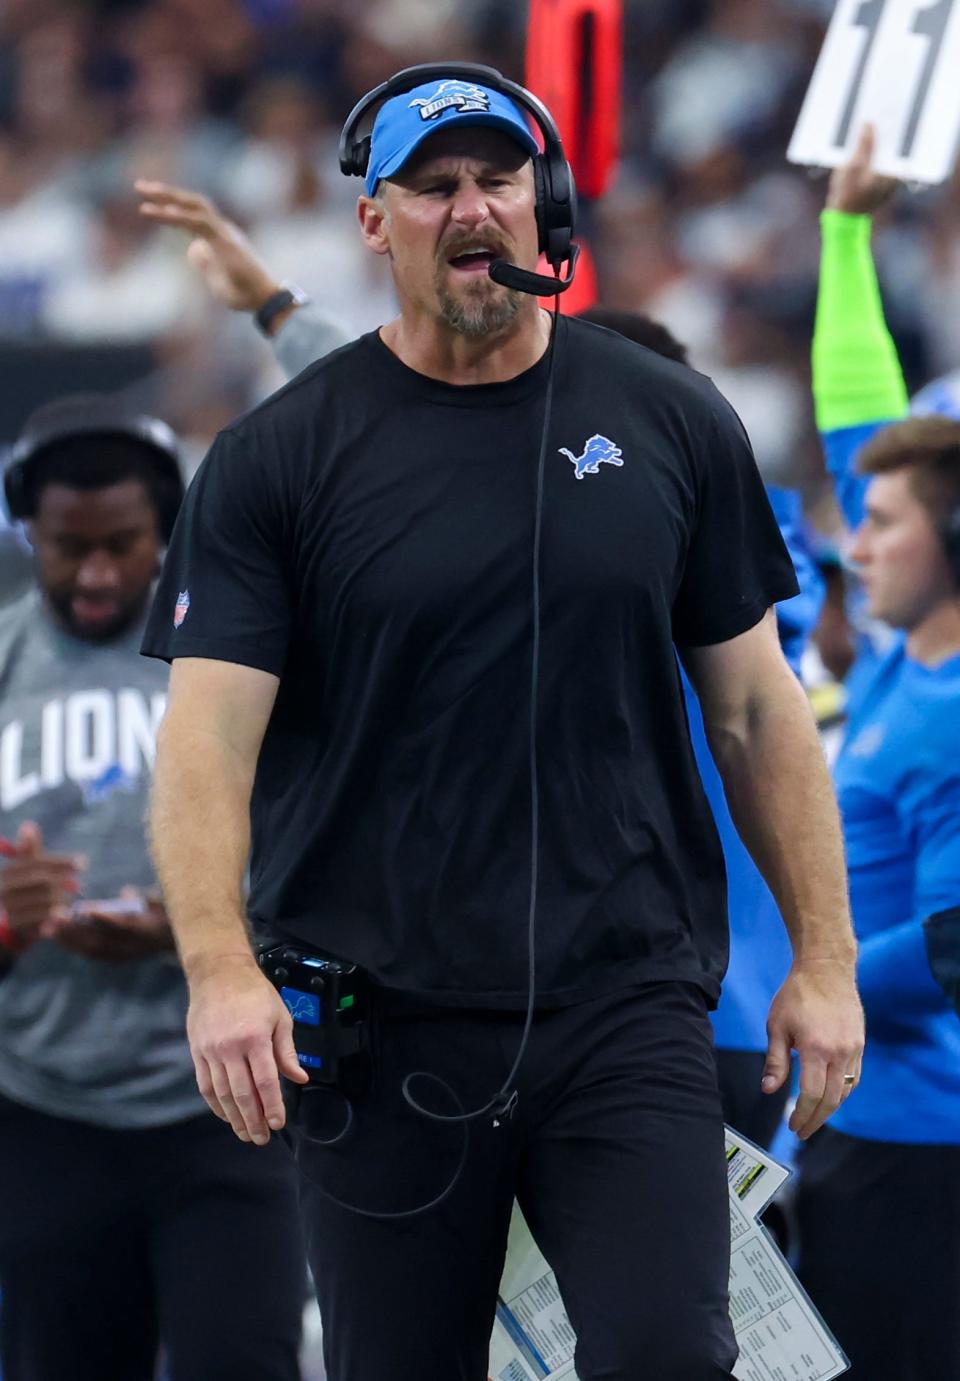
<point>707,226</point>
<point>708,230</point>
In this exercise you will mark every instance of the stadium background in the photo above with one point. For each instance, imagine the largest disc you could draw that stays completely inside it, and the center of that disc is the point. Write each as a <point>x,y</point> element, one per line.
<point>707,227</point>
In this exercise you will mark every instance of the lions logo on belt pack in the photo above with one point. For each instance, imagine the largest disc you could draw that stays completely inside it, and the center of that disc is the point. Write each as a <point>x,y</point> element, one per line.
<point>448,94</point>
<point>181,607</point>
<point>599,450</point>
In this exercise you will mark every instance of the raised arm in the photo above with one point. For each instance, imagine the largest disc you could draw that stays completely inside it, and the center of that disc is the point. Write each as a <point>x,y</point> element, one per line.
<point>237,276</point>
<point>240,1031</point>
<point>858,383</point>
<point>764,742</point>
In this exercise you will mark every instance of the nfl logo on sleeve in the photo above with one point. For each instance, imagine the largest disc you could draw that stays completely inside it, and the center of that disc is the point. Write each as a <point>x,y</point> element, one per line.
<point>183,604</point>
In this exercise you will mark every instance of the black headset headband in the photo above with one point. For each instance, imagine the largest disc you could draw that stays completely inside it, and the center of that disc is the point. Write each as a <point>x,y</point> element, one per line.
<point>555,189</point>
<point>84,416</point>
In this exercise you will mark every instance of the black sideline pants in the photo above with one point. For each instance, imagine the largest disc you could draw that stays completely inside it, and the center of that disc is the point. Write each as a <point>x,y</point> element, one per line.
<point>746,1107</point>
<point>113,1240</point>
<point>879,1229</point>
<point>615,1153</point>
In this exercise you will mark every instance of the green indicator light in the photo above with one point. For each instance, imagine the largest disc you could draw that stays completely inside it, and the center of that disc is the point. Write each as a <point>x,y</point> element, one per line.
<point>345,1002</point>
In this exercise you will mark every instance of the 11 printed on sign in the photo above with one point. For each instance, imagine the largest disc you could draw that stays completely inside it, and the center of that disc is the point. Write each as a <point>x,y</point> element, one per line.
<point>896,64</point>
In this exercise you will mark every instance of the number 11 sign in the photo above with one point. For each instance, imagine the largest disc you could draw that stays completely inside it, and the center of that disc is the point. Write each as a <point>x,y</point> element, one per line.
<point>895,63</point>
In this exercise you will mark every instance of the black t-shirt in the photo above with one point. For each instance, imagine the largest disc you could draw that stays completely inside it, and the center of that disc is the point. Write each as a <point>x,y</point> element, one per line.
<point>366,536</point>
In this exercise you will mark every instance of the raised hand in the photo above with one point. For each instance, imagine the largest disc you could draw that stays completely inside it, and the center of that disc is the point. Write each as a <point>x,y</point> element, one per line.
<point>218,248</point>
<point>854,187</point>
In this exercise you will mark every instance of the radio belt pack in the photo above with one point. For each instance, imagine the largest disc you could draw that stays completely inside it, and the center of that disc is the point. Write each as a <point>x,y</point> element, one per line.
<point>329,1004</point>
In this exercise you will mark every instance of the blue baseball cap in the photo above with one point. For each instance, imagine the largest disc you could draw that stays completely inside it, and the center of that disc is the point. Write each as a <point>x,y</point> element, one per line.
<point>405,121</point>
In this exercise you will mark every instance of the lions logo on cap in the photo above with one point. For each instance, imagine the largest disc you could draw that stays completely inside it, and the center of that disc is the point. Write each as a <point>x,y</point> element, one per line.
<point>463,95</point>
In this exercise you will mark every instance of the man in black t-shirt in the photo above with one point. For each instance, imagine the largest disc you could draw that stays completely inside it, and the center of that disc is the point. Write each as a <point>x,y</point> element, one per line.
<point>349,611</point>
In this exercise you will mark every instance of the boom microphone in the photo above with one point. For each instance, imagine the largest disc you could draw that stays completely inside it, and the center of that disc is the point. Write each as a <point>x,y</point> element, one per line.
<point>537,284</point>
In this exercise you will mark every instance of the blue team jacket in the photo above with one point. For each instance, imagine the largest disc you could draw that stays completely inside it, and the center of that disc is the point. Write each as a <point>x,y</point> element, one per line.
<point>898,784</point>
<point>759,947</point>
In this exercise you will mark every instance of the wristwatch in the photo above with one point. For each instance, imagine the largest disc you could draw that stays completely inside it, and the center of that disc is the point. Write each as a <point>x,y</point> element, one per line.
<point>287,295</point>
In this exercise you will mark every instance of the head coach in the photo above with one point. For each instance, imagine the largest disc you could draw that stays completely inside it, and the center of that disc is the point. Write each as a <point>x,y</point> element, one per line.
<point>422,606</point>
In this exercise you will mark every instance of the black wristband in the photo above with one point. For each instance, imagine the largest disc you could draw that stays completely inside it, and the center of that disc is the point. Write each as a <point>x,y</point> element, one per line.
<point>284,297</point>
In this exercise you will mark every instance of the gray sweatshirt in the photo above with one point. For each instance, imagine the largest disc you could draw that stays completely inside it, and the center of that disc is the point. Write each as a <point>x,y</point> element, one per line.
<point>101,1042</point>
<point>81,1038</point>
<point>304,337</point>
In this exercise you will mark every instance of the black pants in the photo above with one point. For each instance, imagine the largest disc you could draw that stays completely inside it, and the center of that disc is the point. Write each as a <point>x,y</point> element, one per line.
<point>615,1153</point>
<point>746,1107</point>
<point>880,1253</point>
<point>113,1240</point>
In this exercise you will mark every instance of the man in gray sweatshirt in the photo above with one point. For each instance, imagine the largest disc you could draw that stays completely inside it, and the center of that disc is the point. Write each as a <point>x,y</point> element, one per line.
<point>130,1218</point>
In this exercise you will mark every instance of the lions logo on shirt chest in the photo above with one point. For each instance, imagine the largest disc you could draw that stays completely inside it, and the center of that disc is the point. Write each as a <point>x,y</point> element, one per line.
<point>598,450</point>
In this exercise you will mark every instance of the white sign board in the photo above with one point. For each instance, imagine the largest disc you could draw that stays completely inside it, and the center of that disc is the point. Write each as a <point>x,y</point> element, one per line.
<point>895,63</point>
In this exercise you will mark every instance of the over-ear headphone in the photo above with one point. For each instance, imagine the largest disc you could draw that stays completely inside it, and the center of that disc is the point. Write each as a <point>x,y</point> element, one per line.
<point>951,542</point>
<point>90,415</point>
<point>555,190</point>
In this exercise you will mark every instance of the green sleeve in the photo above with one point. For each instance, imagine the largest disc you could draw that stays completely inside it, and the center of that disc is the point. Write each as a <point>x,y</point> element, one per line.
<point>856,370</point>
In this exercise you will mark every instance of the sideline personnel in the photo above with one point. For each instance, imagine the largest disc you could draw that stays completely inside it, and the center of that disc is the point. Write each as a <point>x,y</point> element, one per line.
<point>888,1289</point>
<point>128,1215</point>
<point>301,333</point>
<point>891,1160</point>
<point>349,611</point>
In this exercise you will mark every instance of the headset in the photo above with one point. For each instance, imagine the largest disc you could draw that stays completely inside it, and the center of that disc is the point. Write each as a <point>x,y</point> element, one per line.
<point>950,533</point>
<point>92,415</point>
<point>554,186</point>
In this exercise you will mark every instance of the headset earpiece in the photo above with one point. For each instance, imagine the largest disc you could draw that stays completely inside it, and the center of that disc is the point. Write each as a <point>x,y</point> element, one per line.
<point>360,157</point>
<point>541,192</point>
<point>556,207</point>
<point>951,543</point>
<point>14,490</point>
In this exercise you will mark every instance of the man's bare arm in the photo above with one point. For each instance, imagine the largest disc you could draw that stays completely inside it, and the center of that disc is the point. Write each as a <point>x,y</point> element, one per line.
<point>207,751</point>
<point>764,741</point>
<point>240,1031</point>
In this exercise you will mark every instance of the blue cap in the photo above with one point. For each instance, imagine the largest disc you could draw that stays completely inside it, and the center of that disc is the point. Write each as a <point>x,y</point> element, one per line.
<point>405,121</point>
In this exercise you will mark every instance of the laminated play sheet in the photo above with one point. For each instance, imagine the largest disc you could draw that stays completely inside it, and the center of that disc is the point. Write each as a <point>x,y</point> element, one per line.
<point>781,1335</point>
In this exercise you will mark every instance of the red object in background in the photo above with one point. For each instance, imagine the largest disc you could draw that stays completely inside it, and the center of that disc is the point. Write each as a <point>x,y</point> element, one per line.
<point>574,64</point>
<point>582,292</point>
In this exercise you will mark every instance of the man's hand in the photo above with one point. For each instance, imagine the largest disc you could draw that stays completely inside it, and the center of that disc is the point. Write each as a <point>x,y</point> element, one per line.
<point>218,249</point>
<point>817,1013</point>
<point>115,934</point>
<point>35,887</point>
<point>241,1039</point>
<point>855,188</point>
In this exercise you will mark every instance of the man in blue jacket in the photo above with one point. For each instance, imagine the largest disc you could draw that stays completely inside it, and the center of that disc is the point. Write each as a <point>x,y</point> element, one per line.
<point>879,1197</point>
